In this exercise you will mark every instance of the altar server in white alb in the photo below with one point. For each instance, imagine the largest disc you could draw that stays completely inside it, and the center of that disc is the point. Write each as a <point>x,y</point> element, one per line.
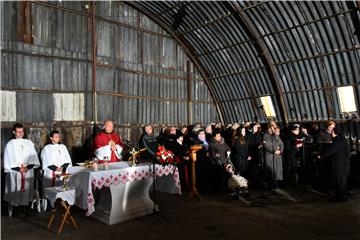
<point>55,161</point>
<point>20,159</point>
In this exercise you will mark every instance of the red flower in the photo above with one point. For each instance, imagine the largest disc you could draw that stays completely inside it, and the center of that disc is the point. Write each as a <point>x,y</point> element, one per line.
<point>164,156</point>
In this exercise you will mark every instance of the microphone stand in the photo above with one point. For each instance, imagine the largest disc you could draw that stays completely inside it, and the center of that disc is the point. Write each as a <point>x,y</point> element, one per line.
<point>156,210</point>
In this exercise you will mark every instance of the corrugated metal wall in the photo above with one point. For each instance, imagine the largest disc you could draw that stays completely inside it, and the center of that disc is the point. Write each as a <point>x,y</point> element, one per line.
<point>141,72</point>
<point>297,52</point>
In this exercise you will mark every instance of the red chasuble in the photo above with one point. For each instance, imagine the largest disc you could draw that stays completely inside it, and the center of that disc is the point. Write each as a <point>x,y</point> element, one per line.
<point>103,140</point>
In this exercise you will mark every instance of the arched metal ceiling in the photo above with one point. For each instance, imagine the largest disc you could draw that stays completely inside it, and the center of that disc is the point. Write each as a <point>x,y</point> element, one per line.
<point>297,52</point>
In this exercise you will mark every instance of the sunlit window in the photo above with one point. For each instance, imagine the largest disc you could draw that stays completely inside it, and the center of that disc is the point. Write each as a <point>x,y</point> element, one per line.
<point>346,99</point>
<point>268,106</point>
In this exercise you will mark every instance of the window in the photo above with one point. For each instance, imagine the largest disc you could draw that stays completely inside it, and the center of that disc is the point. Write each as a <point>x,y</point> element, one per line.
<point>268,106</point>
<point>346,99</point>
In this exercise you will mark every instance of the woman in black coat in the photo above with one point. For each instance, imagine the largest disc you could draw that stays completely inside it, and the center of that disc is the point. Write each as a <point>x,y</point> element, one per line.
<point>339,157</point>
<point>218,152</point>
<point>181,152</point>
<point>239,151</point>
<point>254,140</point>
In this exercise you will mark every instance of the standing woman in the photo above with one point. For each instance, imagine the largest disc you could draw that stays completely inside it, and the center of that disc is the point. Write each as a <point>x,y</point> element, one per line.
<point>55,160</point>
<point>181,152</point>
<point>239,151</point>
<point>254,140</point>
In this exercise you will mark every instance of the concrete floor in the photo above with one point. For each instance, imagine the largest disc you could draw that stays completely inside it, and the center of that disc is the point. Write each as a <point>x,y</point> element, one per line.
<point>214,217</point>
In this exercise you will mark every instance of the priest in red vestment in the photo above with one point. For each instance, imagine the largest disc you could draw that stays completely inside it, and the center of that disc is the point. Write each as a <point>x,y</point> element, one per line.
<point>108,144</point>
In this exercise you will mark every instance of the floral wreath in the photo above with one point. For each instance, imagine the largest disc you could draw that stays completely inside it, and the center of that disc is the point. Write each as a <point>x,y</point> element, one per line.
<point>165,156</point>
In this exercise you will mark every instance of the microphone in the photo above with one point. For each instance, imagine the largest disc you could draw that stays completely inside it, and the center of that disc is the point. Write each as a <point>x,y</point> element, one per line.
<point>127,143</point>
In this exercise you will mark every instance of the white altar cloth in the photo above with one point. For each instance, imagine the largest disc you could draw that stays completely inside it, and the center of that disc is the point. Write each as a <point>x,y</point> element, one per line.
<point>129,187</point>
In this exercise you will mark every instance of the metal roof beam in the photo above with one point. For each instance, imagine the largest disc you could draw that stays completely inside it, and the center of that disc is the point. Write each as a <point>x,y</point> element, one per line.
<point>248,26</point>
<point>206,23</point>
<point>168,9</point>
<point>236,73</point>
<point>319,55</point>
<point>310,22</point>
<point>226,47</point>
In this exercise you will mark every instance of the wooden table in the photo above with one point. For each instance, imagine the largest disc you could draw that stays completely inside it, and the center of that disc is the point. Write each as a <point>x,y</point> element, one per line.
<point>61,199</point>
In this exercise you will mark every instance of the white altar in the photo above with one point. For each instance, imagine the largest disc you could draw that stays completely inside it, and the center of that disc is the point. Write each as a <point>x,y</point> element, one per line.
<point>123,190</point>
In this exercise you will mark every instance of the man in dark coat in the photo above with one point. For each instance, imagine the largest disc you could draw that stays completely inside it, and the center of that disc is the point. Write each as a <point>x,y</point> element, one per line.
<point>339,157</point>
<point>323,164</point>
<point>293,144</point>
<point>149,141</point>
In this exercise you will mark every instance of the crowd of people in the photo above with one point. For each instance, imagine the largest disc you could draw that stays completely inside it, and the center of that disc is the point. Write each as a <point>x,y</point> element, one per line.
<point>232,158</point>
<point>264,155</point>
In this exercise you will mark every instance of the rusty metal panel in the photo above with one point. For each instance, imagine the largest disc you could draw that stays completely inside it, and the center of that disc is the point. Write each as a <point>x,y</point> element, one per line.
<point>105,40</point>
<point>130,45</point>
<point>8,106</point>
<point>43,25</point>
<point>168,53</point>
<point>8,19</point>
<point>130,15</point>
<point>26,72</point>
<point>106,104</point>
<point>70,75</point>
<point>34,107</point>
<point>107,80</point>
<point>151,51</point>
<point>147,23</point>
<point>70,31</point>
<point>69,107</point>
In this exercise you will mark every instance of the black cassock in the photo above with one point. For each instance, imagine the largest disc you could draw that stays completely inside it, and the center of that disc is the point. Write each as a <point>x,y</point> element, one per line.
<point>184,167</point>
<point>339,157</point>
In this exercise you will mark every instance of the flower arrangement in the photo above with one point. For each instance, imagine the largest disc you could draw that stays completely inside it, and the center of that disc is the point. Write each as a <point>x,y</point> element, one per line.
<point>165,156</point>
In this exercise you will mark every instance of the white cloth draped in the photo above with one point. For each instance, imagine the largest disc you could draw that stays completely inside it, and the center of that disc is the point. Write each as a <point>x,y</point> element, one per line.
<point>53,193</point>
<point>105,151</point>
<point>54,154</point>
<point>19,190</point>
